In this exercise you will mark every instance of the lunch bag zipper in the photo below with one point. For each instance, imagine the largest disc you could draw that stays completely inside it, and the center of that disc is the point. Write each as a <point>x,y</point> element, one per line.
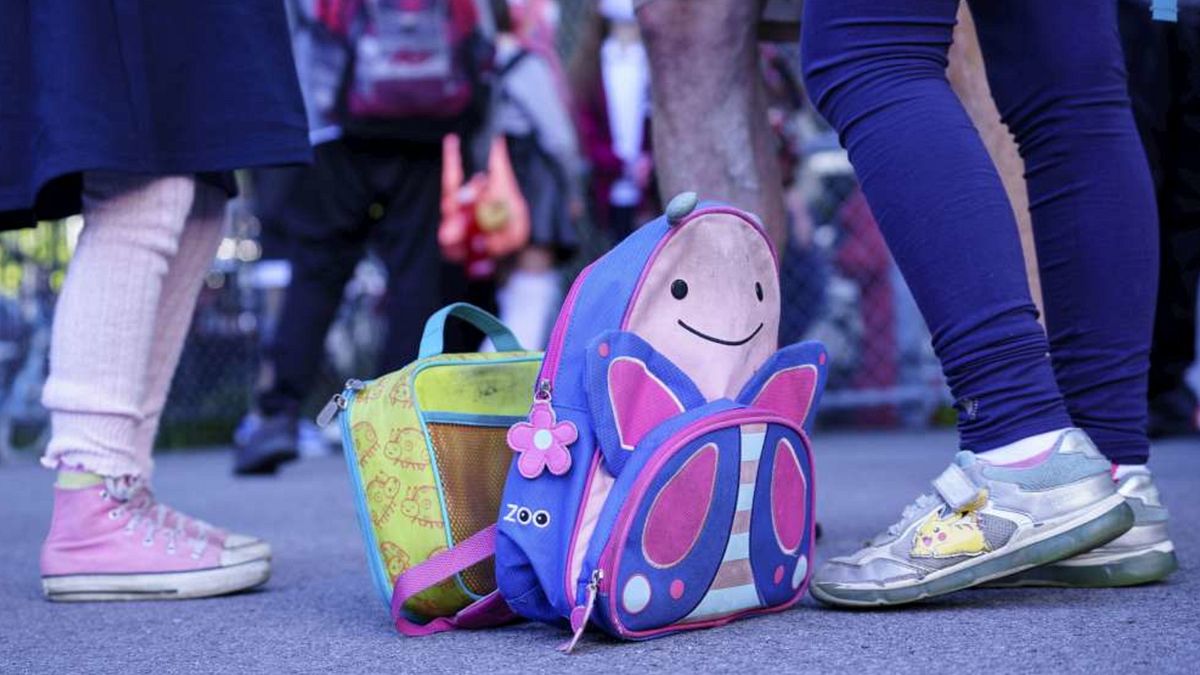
<point>339,402</point>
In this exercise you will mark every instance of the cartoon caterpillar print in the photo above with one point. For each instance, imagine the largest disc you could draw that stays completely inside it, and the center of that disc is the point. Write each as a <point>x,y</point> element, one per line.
<point>420,506</point>
<point>395,558</point>
<point>400,394</point>
<point>372,392</point>
<point>406,449</point>
<point>381,498</point>
<point>366,441</point>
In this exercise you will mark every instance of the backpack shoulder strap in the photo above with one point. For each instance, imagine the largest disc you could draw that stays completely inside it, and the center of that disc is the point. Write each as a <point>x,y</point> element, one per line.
<point>505,96</point>
<point>513,62</point>
<point>490,610</point>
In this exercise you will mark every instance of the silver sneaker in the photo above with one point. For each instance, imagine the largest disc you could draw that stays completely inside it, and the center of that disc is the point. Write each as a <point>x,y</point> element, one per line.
<point>984,522</point>
<point>1142,555</point>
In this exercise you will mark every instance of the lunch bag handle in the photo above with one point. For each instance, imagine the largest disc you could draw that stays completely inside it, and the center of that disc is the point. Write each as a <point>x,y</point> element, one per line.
<point>433,341</point>
<point>490,610</point>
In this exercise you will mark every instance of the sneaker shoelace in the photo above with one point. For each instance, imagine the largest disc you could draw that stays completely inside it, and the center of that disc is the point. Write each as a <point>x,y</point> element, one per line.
<point>134,496</point>
<point>918,507</point>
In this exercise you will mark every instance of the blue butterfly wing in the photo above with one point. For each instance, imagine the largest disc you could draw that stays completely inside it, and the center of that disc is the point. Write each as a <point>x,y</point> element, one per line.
<point>632,389</point>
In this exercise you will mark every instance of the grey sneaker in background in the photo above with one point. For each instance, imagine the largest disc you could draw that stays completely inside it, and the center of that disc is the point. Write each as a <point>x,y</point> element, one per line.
<point>983,522</point>
<point>1142,555</point>
<point>263,443</point>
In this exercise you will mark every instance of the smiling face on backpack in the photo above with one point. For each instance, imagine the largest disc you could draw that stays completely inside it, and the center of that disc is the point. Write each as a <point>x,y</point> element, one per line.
<point>710,302</point>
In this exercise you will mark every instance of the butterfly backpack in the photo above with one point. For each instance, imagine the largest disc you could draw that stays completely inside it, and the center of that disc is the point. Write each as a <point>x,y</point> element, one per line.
<point>663,478</point>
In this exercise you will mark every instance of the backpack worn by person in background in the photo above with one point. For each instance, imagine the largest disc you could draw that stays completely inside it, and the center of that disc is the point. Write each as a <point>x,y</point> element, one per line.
<point>663,479</point>
<point>417,68</point>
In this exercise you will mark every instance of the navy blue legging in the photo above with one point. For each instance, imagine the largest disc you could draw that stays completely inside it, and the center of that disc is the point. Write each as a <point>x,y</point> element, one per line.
<point>876,69</point>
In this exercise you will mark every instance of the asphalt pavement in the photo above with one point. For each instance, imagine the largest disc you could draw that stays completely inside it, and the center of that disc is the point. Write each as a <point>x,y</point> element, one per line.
<point>319,612</point>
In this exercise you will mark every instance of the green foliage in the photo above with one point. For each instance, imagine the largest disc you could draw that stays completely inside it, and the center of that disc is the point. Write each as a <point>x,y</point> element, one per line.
<point>43,249</point>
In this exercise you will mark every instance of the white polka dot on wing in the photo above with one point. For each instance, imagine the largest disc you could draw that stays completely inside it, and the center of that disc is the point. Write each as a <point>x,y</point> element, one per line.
<point>801,571</point>
<point>636,594</point>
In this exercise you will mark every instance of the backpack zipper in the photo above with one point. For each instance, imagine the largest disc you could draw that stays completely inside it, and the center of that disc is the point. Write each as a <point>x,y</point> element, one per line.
<point>580,625</point>
<point>339,402</point>
<point>544,389</point>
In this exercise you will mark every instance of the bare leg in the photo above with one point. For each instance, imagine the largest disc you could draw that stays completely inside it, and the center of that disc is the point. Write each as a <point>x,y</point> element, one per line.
<point>710,122</point>
<point>969,80</point>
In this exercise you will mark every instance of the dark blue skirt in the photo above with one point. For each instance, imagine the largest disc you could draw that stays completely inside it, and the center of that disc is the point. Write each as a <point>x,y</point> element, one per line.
<point>143,86</point>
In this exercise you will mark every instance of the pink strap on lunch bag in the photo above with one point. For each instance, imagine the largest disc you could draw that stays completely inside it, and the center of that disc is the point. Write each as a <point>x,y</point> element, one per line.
<point>488,611</point>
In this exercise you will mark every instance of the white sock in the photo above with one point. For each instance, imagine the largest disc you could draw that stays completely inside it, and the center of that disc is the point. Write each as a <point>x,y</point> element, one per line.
<point>527,303</point>
<point>1025,449</point>
<point>1122,470</point>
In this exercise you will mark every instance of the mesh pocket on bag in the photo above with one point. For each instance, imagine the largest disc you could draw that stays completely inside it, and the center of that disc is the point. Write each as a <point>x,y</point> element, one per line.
<point>472,464</point>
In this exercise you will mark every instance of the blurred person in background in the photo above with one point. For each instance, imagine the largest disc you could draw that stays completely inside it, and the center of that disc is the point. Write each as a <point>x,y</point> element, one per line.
<point>1163,60</point>
<point>532,113</point>
<point>385,81</point>
<point>610,81</point>
<point>711,132</point>
<point>134,114</point>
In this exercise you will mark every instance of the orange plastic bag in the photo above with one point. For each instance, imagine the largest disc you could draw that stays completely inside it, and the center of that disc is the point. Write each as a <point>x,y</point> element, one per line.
<point>484,218</point>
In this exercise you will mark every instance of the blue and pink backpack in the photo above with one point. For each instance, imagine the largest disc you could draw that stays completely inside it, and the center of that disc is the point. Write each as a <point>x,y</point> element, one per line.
<point>663,480</point>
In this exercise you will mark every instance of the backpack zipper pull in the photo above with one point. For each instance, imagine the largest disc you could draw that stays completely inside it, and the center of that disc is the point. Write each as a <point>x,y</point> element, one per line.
<point>543,391</point>
<point>581,615</point>
<point>338,403</point>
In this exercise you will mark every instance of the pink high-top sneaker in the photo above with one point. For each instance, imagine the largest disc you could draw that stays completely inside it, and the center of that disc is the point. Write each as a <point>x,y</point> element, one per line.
<point>113,541</point>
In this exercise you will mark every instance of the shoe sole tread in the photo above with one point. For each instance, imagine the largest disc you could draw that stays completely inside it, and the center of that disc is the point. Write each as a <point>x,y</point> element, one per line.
<point>1072,540</point>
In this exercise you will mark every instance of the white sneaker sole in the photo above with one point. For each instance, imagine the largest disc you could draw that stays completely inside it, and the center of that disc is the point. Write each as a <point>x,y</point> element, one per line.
<point>1097,569</point>
<point>160,586</point>
<point>1070,535</point>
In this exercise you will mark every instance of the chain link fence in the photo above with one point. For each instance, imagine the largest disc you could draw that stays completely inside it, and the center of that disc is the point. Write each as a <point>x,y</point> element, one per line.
<point>841,286</point>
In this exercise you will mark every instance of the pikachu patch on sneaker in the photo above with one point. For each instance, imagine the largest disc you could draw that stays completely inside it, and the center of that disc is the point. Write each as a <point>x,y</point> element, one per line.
<point>957,534</point>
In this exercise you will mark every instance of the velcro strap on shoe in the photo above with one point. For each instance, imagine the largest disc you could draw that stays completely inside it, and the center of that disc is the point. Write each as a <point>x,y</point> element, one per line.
<point>957,489</point>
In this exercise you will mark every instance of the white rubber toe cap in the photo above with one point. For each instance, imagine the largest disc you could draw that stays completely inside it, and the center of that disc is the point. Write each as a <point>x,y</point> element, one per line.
<point>240,548</point>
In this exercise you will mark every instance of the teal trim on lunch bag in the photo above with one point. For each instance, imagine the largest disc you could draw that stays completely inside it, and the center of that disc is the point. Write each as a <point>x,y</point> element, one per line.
<point>469,420</point>
<point>433,339</point>
<point>374,559</point>
<point>421,417</point>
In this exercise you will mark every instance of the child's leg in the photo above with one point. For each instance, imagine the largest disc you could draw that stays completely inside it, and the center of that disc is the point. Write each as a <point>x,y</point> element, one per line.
<point>406,240</point>
<point>1094,220</point>
<point>197,246</point>
<point>104,323</point>
<point>530,296</point>
<point>877,71</point>
<point>327,224</point>
<point>134,270</point>
<point>1092,202</point>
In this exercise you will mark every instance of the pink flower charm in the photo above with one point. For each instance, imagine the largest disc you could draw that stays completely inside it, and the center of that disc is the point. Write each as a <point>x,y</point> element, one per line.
<point>542,442</point>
